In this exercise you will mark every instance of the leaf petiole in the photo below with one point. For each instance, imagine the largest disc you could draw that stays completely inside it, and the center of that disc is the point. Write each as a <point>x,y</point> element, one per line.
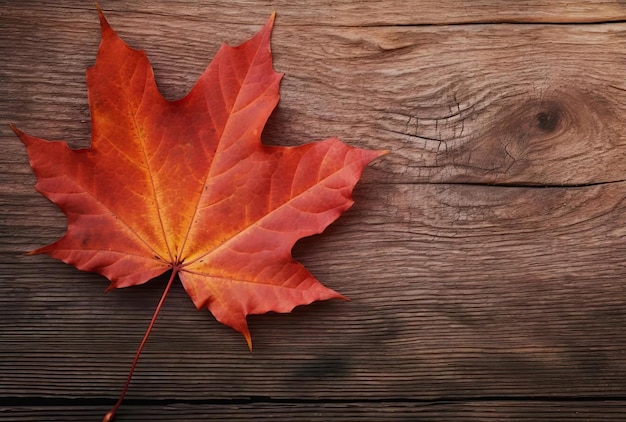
<point>110,415</point>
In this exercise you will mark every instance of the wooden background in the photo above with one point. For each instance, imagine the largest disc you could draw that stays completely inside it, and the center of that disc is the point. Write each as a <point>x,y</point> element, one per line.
<point>485,256</point>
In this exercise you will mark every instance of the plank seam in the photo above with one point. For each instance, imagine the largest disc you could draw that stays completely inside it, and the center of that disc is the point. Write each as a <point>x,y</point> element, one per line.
<point>67,402</point>
<point>476,23</point>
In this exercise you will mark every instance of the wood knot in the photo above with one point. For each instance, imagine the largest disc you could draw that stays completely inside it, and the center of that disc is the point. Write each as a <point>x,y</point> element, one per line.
<point>525,138</point>
<point>540,118</point>
<point>524,132</point>
<point>537,121</point>
<point>547,120</point>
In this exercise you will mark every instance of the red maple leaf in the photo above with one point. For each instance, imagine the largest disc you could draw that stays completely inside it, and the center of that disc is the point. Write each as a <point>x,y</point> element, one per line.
<point>188,186</point>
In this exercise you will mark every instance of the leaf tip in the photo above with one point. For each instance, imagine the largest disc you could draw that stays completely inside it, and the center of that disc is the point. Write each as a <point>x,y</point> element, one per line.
<point>24,137</point>
<point>270,22</point>
<point>18,132</point>
<point>104,24</point>
<point>370,155</point>
<point>248,338</point>
<point>38,251</point>
<point>380,152</point>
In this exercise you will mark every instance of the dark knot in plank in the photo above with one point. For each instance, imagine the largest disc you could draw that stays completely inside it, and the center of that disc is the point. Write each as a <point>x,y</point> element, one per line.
<point>538,120</point>
<point>547,136</point>
<point>548,120</point>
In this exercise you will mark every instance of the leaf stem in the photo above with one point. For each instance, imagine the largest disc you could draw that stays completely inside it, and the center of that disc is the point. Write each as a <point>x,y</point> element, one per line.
<point>111,413</point>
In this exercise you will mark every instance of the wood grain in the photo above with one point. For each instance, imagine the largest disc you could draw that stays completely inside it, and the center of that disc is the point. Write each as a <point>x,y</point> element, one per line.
<point>455,104</point>
<point>487,410</point>
<point>346,13</point>
<point>483,257</point>
<point>465,293</point>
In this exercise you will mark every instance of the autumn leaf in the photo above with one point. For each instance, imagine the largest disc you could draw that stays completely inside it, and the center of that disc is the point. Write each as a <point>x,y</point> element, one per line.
<point>188,186</point>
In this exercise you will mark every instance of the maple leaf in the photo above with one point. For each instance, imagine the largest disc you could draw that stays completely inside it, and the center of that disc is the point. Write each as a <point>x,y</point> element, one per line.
<point>188,186</point>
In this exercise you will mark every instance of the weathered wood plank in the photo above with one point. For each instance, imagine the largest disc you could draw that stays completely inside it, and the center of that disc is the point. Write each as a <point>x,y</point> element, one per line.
<point>487,410</point>
<point>462,293</point>
<point>462,104</point>
<point>458,291</point>
<point>454,104</point>
<point>351,12</point>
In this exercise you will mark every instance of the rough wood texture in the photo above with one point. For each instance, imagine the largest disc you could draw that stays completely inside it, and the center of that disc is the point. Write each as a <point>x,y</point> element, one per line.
<point>484,257</point>
<point>487,410</point>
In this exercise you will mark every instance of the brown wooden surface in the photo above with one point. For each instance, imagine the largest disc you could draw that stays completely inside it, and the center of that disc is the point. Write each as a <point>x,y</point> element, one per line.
<point>485,256</point>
